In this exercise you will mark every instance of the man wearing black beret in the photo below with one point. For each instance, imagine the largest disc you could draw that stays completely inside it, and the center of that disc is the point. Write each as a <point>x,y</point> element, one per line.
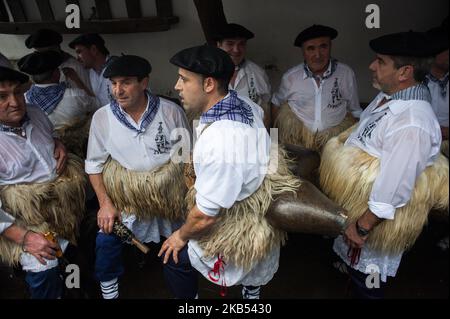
<point>384,169</point>
<point>249,79</point>
<point>225,237</point>
<point>65,106</point>
<point>94,56</point>
<point>32,162</point>
<point>131,144</point>
<point>47,39</point>
<point>317,99</point>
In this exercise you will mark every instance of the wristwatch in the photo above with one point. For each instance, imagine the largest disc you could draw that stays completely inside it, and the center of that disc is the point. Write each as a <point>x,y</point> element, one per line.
<point>361,231</point>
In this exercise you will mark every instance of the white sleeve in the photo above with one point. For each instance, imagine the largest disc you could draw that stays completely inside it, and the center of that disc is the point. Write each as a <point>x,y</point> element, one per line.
<point>283,93</point>
<point>218,185</point>
<point>353,107</point>
<point>96,153</point>
<point>403,158</point>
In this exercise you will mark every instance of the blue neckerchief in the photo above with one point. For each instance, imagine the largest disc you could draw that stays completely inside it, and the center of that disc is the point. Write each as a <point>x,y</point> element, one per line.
<point>442,83</point>
<point>416,92</point>
<point>47,98</point>
<point>328,73</point>
<point>23,123</point>
<point>147,117</point>
<point>230,108</point>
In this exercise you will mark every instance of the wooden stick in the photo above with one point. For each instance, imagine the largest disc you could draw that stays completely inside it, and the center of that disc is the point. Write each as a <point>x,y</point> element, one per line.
<point>142,247</point>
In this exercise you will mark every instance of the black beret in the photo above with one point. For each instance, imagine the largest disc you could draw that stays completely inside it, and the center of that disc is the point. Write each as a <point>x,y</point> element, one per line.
<point>439,38</point>
<point>205,60</point>
<point>412,44</point>
<point>231,31</point>
<point>8,74</point>
<point>87,40</point>
<point>315,31</point>
<point>40,62</point>
<point>128,65</point>
<point>43,38</point>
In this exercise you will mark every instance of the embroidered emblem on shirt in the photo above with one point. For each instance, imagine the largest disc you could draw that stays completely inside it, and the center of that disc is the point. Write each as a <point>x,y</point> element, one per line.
<point>162,145</point>
<point>367,132</point>
<point>336,96</point>
<point>252,90</point>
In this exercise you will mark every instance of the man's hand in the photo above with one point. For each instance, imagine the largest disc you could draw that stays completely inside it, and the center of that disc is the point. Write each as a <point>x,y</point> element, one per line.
<point>352,238</point>
<point>39,247</point>
<point>172,245</point>
<point>60,155</point>
<point>106,216</point>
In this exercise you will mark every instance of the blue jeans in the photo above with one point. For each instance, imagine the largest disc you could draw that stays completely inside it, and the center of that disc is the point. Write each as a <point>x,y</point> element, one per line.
<point>46,284</point>
<point>108,257</point>
<point>181,278</point>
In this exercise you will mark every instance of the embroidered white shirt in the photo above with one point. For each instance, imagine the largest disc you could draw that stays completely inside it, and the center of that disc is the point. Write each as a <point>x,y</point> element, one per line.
<point>405,136</point>
<point>138,152</point>
<point>324,106</point>
<point>252,82</point>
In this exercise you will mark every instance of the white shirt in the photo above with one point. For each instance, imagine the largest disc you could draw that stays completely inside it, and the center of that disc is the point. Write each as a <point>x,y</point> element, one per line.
<point>74,105</point>
<point>137,152</point>
<point>100,85</point>
<point>324,106</point>
<point>252,81</point>
<point>439,103</point>
<point>405,136</point>
<point>82,73</point>
<point>28,160</point>
<point>230,161</point>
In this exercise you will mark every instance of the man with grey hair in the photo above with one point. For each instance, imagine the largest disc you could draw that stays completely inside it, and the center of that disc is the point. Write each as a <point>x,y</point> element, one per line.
<point>397,139</point>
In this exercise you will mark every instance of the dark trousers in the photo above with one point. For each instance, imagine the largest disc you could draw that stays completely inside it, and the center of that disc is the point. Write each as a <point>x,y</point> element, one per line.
<point>45,284</point>
<point>108,257</point>
<point>360,289</point>
<point>181,278</point>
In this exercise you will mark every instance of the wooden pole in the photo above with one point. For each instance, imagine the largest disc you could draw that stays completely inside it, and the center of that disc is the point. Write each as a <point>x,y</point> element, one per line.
<point>212,17</point>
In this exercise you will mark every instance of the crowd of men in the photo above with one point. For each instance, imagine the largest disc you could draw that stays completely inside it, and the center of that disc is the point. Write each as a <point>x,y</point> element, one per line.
<point>208,215</point>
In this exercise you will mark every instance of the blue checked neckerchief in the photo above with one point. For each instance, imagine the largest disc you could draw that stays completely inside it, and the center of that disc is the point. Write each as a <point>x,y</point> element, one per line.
<point>47,98</point>
<point>230,108</point>
<point>23,123</point>
<point>442,83</point>
<point>416,92</point>
<point>328,73</point>
<point>147,117</point>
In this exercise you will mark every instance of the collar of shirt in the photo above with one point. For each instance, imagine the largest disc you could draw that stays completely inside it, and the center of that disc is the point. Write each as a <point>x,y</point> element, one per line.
<point>146,118</point>
<point>332,65</point>
<point>229,108</point>
<point>47,97</point>
<point>416,92</point>
<point>441,82</point>
<point>10,129</point>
